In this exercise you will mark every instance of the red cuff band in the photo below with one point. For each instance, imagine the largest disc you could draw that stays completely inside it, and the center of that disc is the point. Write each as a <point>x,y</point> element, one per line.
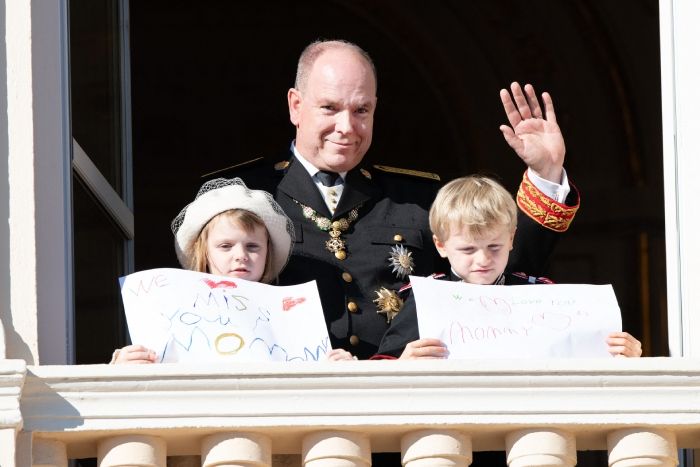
<point>382,357</point>
<point>543,209</point>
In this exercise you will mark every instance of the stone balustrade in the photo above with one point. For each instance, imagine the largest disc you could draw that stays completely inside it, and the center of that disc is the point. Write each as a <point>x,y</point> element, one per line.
<point>436,413</point>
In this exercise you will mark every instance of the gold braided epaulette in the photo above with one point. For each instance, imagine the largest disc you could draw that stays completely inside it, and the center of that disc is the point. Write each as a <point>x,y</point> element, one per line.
<point>231,167</point>
<point>543,209</point>
<point>414,173</point>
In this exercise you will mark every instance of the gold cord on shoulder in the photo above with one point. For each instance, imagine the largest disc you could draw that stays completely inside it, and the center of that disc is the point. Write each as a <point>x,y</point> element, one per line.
<point>414,173</point>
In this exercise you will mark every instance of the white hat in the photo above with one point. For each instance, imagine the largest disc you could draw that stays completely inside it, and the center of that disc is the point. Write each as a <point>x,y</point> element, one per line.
<point>220,195</point>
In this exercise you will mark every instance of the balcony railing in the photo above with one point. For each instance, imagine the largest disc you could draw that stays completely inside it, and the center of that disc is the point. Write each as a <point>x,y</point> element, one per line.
<point>337,413</point>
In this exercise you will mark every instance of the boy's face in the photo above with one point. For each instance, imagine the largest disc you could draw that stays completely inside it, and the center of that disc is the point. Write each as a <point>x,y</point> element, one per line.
<point>233,252</point>
<point>477,260</point>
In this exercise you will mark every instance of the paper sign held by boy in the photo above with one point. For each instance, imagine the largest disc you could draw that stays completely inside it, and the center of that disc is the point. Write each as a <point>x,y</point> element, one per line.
<point>528,321</point>
<point>193,316</point>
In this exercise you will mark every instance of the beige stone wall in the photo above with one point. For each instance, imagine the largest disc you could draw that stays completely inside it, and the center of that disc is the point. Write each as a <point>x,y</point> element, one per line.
<point>35,284</point>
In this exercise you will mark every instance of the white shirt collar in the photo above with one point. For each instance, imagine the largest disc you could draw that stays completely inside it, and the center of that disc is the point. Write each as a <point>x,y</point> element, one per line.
<point>313,170</point>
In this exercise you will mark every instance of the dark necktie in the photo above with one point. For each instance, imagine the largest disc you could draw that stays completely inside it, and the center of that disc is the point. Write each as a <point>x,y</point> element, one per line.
<point>328,178</point>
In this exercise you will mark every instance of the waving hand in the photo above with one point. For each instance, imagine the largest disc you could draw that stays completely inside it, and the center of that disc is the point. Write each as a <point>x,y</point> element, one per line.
<point>533,132</point>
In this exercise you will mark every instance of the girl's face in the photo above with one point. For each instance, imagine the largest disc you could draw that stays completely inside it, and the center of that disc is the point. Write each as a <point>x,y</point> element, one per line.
<point>233,252</point>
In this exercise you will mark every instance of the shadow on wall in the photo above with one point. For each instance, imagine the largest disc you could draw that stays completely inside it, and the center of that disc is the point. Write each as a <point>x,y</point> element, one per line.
<point>11,343</point>
<point>5,315</point>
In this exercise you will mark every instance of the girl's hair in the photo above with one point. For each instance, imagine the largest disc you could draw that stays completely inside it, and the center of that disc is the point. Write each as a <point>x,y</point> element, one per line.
<point>476,202</point>
<point>244,219</point>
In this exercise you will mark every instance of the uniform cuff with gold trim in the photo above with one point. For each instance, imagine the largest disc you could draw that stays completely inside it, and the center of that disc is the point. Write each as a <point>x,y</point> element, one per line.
<point>544,210</point>
<point>382,357</point>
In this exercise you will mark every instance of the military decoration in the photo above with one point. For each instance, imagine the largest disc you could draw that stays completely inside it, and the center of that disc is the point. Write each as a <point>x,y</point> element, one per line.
<point>401,261</point>
<point>281,165</point>
<point>335,244</point>
<point>388,302</point>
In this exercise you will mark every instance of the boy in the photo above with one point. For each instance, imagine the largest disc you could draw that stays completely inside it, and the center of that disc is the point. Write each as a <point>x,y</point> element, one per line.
<point>473,220</point>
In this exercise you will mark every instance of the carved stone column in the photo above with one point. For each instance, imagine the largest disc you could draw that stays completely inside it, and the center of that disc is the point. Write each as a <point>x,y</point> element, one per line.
<point>237,450</point>
<point>436,448</point>
<point>336,449</point>
<point>49,453</point>
<point>131,450</point>
<point>541,448</point>
<point>642,447</point>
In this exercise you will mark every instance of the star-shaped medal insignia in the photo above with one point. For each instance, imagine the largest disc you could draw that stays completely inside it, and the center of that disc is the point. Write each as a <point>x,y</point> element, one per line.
<point>401,261</point>
<point>388,302</point>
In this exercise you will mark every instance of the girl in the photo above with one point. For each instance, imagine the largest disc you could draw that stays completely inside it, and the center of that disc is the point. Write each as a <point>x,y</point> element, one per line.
<point>229,230</point>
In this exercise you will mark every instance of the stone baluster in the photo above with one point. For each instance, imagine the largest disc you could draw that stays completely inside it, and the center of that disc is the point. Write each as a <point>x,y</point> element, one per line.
<point>237,450</point>
<point>436,448</point>
<point>336,449</point>
<point>540,448</point>
<point>49,453</point>
<point>8,442</point>
<point>132,450</point>
<point>642,447</point>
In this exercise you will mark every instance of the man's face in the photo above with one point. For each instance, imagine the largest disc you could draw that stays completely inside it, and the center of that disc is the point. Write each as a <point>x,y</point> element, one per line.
<point>334,113</point>
<point>477,260</point>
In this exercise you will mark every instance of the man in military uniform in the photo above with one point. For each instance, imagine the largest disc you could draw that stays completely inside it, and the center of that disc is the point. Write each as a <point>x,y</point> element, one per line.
<point>360,233</point>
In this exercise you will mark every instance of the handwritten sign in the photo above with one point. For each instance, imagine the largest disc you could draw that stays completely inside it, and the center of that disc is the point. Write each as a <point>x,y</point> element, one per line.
<point>528,321</point>
<point>192,316</point>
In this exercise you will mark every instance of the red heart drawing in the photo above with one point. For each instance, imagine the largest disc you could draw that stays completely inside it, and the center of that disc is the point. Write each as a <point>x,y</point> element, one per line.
<point>289,302</point>
<point>220,284</point>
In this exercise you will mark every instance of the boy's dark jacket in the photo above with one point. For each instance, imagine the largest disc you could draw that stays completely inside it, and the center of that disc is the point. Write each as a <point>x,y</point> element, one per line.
<point>404,327</point>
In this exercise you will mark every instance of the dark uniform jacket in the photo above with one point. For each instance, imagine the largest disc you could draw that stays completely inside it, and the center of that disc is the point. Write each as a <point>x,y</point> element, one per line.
<point>392,210</point>
<point>404,327</point>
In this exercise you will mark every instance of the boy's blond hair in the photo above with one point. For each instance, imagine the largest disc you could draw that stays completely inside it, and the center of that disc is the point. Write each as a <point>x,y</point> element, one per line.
<point>476,202</point>
<point>243,218</point>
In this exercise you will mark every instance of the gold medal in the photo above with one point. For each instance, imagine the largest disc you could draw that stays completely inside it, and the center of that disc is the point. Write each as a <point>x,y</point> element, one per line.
<point>401,261</point>
<point>388,303</point>
<point>335,244</point>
